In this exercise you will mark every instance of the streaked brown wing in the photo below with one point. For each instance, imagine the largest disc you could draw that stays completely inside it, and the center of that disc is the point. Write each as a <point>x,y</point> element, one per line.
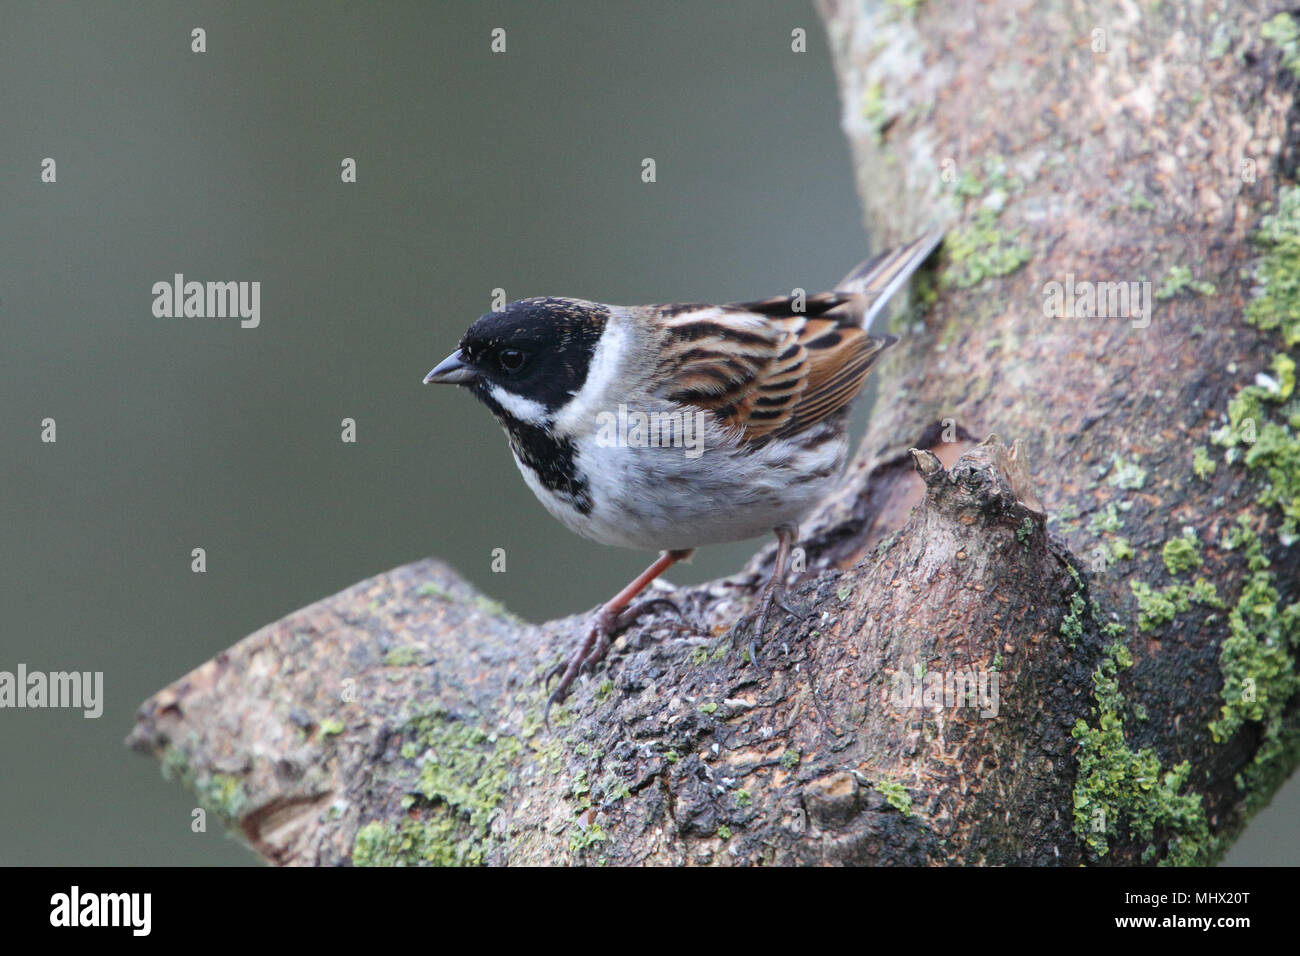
<point>772,371</point>
<point>765,368</point>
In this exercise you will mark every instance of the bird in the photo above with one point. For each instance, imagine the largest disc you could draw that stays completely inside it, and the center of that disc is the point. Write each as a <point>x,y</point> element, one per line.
<point>670,427</point>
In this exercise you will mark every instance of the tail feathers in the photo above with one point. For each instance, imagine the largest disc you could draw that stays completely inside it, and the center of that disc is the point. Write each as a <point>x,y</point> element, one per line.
<point>876,280</point>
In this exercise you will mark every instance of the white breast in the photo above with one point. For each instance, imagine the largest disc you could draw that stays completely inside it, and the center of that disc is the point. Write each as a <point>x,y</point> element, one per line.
<point>659,498</point>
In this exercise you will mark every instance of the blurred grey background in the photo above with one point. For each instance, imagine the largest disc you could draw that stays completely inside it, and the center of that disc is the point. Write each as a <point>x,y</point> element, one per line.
<point>475,171</point>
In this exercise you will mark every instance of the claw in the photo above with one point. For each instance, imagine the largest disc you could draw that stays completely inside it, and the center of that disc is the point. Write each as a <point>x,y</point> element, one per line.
<point>759,616</point>
<point>801,615</point>
<point>629,615</point>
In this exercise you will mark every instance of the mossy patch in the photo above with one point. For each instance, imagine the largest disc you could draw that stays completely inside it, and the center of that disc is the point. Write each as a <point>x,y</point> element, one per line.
<point>1073,623</point>
<point>1263,428</point>
<point>1202,464</point>
<point>1277,274</point>
<point>433,842</point>
<point>1272,446</point>
<point>1125,474</point>
<point>1262,432</point>
<point>219,793</point>
<point>432,589</point>
<point>980,249</point>
<point>1156,608</point>
<point>1258,665</point>
<point>873,109</point>
<point>1178,280</point>
<point>895,795</point>
<point>1119,786</point>
<point>463,774</point>
<point>1025,530</point>
<point>405,655</point>
<point>1107,520</point>
<point>1283,33</point>
<point>1180,554</point>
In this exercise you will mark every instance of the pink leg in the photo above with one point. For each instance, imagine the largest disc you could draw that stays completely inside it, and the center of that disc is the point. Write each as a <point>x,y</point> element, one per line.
<point>785,536</point>
<point>599,638</point>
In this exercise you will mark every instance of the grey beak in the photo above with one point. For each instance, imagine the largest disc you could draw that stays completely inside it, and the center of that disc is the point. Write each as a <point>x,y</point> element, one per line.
<point>451,371</point>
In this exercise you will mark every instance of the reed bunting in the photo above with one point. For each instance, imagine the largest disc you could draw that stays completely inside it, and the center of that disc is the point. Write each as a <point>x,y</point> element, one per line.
<point>667,427</point>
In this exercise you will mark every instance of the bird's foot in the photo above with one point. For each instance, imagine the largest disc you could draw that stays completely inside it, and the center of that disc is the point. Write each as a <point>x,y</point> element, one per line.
<point>770,597</point>
<point>608,625</point>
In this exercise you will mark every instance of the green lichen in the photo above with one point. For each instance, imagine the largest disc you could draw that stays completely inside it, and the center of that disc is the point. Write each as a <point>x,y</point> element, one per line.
<point>579,787</point>
<point>1072,624</point>
<point>223,794</point>
<point>993,180</point>
<point>895,795</point>
<point>613,789</point>
<point>331,727</point>
<point>743,797</point>
<point>1025,530</point>
<point>495,609</point>
<point>1179,279</point>
<point>1121,550</point>
<point>1264,416</point>
<point>1180,554</point>
<point>463,773</point>
<point>1204,592</point>
<point>414,843</point>
<point>1278,453</point>
<point>580,837</point>
<point>1138,201</point>
<point>1156,608</point>
<point>1128,475</point>
<point>1202,464</point>
<point>1106,521</point>
<point>1117,785</point>
<point>1277,273</point>
<point>219,793</point>
<point>1221,42</point>
<point>1258,664</point>
<point>435,590</point>
<point>724,832</point>
<point>405,655</point>
<point>1282,32</point>
<point>873,109</point>
<point>707,708</point>
<point>980,250</point>
<point>790,759</point>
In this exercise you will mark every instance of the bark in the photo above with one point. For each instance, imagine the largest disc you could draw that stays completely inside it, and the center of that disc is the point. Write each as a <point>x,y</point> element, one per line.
<point>1141,714</point>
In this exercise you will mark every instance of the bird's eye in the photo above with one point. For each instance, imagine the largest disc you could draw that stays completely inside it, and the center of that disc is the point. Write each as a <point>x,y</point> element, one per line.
<point>511,360</point>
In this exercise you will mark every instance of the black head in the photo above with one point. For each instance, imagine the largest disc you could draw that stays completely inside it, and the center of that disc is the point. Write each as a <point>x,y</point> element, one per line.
<point>536,349</point>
